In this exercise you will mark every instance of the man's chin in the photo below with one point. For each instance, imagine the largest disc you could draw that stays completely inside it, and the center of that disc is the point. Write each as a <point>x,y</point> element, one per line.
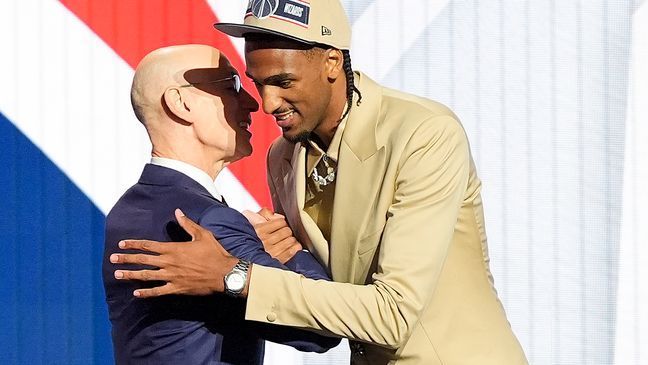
<point>240,155</point>
<point>301,137</point>
<point>244,154</point>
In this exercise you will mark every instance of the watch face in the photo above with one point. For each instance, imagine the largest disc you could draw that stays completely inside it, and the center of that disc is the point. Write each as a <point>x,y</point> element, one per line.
<point>235,281</point>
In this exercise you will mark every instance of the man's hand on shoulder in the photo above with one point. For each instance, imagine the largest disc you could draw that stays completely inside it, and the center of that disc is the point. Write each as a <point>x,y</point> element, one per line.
<point>274,232</point>
<point>192,268</point>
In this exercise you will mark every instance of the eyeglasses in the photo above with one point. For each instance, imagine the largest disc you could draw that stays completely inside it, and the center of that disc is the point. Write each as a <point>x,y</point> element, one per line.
<point>235,79</point>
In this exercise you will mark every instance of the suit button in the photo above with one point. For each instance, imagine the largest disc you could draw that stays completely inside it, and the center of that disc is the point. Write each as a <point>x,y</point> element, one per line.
<point>357,349</point>
<point>271,317</point>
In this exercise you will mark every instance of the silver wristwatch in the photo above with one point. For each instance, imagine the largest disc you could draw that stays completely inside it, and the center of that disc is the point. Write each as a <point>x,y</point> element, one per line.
<point>235,279</point>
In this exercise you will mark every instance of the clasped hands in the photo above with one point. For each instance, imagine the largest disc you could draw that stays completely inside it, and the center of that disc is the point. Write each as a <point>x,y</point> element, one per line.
<point>198,267</point>
<point>277,237</point>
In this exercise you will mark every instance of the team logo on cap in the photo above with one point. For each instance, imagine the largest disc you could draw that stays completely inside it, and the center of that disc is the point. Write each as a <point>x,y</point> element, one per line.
<point>292,11</point>
<point>262,9</point>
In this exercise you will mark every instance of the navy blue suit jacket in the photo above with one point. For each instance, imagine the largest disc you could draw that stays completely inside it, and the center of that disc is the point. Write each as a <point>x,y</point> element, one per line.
<point>190,329</point>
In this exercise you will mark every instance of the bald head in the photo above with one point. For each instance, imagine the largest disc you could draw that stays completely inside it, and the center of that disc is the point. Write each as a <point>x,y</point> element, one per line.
<point>191,102</point>
<point>166,67</point>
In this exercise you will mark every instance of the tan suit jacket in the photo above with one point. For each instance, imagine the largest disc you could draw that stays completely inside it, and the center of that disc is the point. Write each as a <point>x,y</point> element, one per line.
<point>408,249</point>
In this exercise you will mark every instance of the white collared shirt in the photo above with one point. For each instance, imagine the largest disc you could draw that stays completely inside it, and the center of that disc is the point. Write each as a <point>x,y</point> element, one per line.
<point>196,174</point>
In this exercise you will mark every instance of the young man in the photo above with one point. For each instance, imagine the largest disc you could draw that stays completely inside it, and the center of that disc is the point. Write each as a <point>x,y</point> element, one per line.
<point>380,185</point>
<point>189,99</point>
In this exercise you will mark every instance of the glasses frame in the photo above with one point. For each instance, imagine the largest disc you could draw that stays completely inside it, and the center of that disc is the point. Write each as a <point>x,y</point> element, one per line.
<point>238,85</point>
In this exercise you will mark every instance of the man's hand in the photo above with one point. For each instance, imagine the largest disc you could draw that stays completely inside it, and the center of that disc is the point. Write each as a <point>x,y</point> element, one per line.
<point>273,230</point>
<point>193,268</point>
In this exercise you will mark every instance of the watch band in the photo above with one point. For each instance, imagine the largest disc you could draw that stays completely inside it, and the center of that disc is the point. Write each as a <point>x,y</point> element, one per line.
<point>242,265</point>
<point>240,269</point>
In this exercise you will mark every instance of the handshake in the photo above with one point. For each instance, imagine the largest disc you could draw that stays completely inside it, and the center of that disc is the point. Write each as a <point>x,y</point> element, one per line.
<point>273,231</point>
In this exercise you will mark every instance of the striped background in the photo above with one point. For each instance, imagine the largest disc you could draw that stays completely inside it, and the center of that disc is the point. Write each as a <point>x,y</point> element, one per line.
<point>552,94</point>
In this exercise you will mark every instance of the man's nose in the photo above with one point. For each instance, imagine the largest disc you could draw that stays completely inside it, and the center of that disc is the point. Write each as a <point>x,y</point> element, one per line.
<point>270,100</point>
<point>247,101</point>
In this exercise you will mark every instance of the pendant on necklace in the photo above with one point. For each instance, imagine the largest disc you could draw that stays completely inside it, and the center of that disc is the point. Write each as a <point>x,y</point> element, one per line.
<point>330,173</point>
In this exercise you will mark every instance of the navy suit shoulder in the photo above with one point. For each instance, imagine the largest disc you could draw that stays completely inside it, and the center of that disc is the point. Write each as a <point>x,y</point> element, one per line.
<point>182,329</point>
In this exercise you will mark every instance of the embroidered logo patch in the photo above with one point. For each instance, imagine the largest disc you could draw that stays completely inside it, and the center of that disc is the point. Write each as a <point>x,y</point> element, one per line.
<point>293,11</point>
<point>262,9</point>
<point>325,31</point>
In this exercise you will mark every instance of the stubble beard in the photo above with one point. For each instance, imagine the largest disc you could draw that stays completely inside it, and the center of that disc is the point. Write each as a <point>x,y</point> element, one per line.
<point>301,137</point>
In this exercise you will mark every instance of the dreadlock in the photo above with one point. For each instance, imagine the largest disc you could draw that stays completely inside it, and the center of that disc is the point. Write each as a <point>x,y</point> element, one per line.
<point>351,88</point>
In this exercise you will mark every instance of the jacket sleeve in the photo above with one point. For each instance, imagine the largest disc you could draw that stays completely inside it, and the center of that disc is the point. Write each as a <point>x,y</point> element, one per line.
<point>433,174</point>
<point>238,237</point>
<point>305,263</point>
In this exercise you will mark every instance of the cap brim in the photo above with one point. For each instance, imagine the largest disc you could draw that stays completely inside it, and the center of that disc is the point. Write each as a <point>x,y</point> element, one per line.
<point>240,30</point>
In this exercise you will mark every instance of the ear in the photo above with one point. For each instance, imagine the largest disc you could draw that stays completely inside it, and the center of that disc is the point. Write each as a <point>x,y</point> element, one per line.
<point>334,61</point>
<point>177,103</point>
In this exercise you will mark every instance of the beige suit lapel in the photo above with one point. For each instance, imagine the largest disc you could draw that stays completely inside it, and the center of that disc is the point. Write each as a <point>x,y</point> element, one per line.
<point>291,186</point>
<point>360,171</point>
<point>318,243</point>
<point>286,188</point>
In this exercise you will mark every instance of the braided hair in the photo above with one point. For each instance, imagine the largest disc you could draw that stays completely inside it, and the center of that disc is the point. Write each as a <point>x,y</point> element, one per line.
<point>351,88</point>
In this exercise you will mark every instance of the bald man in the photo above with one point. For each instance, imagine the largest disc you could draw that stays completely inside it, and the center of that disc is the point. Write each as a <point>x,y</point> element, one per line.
<point>190,100</point>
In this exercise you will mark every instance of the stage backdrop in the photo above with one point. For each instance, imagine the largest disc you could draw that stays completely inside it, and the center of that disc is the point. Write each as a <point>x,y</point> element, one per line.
<point>553,95</point>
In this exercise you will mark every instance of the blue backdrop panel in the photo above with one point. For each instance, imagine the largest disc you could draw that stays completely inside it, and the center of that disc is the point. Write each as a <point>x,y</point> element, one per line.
<point>51,242</point>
